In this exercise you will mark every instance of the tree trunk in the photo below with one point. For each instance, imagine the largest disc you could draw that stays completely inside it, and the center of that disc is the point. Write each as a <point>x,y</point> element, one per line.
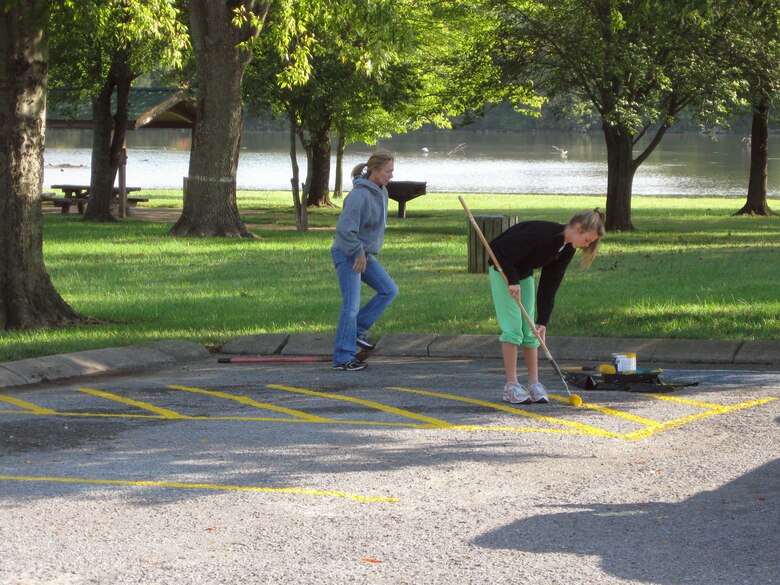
<point>210,207</point>
<point>319,170</point>
<point>756,203</point>
<point>620,178</point>
<point>338,192</point>
<point>108,139</point>
<point>27,297</point>
<point>101,179</point>
<point>301,210</point>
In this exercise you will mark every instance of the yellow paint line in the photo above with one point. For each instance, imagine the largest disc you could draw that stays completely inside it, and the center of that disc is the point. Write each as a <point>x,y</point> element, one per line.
<point>299,420</point>
<point>608,411</point>
<point>664,426</point>
<point>370,403</point>
<point>696,403</point>
<point>513,410</point>
<point>200,486</point>
<point>163,412</point>
<point>250,402</point>
<point>230,418</point>
<point>28,406</point>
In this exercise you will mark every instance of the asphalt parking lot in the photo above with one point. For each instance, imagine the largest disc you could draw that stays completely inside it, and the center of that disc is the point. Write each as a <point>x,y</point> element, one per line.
<point>412,471</point>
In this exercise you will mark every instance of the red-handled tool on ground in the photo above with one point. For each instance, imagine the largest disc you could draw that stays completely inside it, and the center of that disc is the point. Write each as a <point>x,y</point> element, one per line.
<point>574,399</point>
<point>270,360</point>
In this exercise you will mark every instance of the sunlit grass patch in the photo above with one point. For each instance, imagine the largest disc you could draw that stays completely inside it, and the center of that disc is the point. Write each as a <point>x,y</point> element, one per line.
<point>690,270</point>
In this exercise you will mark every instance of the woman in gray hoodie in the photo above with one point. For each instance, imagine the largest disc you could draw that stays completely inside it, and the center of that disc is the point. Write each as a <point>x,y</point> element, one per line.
<point>360,233</point>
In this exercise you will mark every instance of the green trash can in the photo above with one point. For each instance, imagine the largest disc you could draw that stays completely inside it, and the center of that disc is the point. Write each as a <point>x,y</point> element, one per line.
<point>491,226</point>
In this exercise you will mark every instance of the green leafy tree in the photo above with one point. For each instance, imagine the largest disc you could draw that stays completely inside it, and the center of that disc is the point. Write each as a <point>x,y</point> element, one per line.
<point>318,55</point>
<point>751,45</point>
<point>28,298</point>
<point>373,68</point>
<point>638,62</point>
<point>98,49</point>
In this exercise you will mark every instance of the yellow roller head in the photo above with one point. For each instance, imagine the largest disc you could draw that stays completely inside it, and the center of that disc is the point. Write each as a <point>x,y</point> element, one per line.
<point>575,400</point>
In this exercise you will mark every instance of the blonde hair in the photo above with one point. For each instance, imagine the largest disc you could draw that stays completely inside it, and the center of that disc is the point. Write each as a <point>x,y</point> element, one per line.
<point>589,221</point>
<point>376,161</point>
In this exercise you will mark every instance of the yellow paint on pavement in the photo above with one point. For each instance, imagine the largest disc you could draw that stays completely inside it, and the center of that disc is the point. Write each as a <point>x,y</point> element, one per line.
<point>200,486</point>
<point>587,429</point>
<point>665,426</point>
<point>370,403</point>
<point>649,427</point>
<point>163,412</point>
<point>608,411</point>
<point>250,402</point>
<point>28,406</point>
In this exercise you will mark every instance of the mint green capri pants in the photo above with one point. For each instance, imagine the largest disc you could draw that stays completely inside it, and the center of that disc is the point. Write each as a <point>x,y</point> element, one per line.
<point>514,328</point>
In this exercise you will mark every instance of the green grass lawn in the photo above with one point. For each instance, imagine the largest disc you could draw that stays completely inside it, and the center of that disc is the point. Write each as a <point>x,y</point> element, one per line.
<point>690,270</point>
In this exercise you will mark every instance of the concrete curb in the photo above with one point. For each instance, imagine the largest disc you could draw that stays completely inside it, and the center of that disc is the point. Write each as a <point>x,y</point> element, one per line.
<point>99,361</point>
<point>650,352</point>
<point>579,349</point>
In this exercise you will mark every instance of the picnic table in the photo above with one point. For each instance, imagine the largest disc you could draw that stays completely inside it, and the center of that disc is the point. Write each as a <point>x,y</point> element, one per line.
<point>404,191</point>
<point>78,195</point>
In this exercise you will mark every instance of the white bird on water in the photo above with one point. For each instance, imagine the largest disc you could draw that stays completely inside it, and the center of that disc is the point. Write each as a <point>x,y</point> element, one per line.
<point>562,153</point>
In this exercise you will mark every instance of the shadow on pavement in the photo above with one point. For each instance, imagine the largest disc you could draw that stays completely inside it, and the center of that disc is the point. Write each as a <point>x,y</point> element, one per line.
<point>724,536</point>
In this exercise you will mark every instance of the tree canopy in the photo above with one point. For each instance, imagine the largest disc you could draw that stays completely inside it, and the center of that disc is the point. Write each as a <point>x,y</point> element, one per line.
<point>638,63</point>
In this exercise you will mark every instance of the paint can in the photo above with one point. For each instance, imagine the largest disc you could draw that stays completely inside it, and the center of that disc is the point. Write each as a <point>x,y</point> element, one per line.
<point>620,361</point>
<point>623,362</point>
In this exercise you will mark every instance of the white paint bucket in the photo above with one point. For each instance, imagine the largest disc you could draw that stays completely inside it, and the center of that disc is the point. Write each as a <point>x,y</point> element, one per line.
<point>620,361</point>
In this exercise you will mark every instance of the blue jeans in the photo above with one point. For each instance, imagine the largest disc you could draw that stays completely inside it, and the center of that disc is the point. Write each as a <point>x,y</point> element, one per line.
<point>354,320</point>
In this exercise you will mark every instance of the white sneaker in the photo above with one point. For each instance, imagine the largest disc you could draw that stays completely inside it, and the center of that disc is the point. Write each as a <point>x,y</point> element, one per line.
<point>538,393</point>
<point>516,394</point>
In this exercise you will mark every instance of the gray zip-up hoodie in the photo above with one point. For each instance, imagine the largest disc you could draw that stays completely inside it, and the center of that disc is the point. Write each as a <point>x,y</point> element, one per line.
<point>360,229</point>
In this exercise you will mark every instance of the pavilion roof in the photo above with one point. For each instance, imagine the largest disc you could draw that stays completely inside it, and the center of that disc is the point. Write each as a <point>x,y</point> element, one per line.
<point>147,108</point>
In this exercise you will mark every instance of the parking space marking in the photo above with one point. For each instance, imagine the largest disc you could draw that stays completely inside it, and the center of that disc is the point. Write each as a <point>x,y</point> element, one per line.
<point>163,412</point>
<point>649,426</point>
<point>250,402</point>
<point>202,486</point>
<point>609,411</point>
<point>586,429</point>
<point>28,406</point>
<point>370,403</point>
<point>714,410</point>
<point>707,405</point>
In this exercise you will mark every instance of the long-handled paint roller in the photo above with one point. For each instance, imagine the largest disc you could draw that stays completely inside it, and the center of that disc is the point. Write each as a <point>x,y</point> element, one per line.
<point>574,399</point>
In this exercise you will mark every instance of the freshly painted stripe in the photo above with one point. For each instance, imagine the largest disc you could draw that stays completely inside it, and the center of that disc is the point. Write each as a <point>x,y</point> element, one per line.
<point>370,403</point>
<point>163,412</point>
<point>696,403</point>
<point>250,402</point>
<point>200,418</point>
<point>609,411</point>
<point>664,426</point>
<point>511,409</point>
<point>28,406</point>
<point>200,486</point>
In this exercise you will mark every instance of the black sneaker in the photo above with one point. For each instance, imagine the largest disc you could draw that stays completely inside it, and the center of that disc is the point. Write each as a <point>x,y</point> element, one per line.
<point>364,343</point>
<point>352,366</point>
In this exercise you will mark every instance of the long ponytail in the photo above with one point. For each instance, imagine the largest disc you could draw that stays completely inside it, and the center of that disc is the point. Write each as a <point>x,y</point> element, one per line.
<point>590,221</point>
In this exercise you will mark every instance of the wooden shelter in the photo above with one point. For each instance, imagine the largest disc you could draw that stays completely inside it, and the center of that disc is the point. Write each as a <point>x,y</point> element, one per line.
<point>147,108</point>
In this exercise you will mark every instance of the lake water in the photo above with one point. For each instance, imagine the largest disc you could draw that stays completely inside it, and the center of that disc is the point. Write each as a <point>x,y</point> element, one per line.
<point>460,162</point>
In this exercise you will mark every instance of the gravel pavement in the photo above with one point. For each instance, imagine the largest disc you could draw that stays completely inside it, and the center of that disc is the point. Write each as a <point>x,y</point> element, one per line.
<point>412,471</point>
